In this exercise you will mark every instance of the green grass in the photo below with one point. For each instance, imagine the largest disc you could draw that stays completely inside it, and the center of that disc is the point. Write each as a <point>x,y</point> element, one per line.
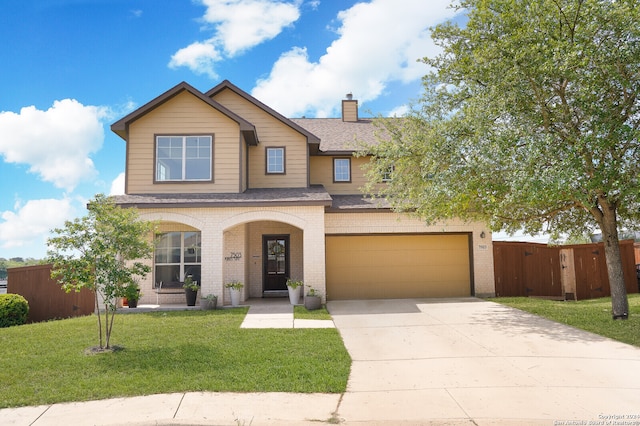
<point>300,312</point>
<point>592,315</point>
<point>166,352</point>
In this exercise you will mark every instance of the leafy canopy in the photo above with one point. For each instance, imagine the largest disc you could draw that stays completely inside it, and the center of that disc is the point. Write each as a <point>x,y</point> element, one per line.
<point>529,119</point>
<point>103,251</point>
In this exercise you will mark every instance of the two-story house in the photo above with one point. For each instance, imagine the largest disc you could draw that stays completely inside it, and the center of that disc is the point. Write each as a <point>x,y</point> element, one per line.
<point>243,193</point>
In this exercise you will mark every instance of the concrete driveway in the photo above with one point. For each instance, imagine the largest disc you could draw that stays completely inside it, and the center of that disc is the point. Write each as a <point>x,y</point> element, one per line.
<point>468,361</point>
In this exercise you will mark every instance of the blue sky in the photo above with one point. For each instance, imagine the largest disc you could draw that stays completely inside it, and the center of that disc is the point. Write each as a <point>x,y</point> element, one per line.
<point>70,68</point>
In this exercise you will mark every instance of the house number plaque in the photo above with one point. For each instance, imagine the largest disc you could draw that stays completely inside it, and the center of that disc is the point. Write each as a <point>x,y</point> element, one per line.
<point>235,255</point>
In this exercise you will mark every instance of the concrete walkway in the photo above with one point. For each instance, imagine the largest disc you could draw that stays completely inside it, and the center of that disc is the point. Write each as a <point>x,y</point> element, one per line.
<point>263,313</point>
<point>277,313</point>
<point>415,362</point>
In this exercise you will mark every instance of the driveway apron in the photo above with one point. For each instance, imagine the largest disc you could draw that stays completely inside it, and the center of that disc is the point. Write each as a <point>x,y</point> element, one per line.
<point>457,361</point>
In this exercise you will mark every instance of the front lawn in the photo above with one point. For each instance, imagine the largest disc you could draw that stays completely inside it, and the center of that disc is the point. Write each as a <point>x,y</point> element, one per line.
<point>592,315</point>
<point>166,352</point>
<point>300,312</point>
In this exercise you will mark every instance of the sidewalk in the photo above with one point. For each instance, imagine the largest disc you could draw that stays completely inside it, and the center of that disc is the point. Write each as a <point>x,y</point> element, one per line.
<point>193,408</point>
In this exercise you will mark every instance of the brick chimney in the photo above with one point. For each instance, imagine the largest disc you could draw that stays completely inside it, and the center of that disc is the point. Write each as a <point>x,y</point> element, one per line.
<point>349,109</point>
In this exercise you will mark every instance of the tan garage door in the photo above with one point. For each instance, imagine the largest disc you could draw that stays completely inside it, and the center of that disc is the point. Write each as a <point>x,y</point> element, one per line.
<point>397,266</point>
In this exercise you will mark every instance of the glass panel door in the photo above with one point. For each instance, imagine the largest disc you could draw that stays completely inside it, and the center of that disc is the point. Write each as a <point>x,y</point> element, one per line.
<point>276,262</point>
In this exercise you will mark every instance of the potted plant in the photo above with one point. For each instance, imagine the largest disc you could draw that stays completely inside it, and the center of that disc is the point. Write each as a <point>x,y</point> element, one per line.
<point>312,300</point>
<point>234,288</point>
<point>132,294</point>
<point>190,290</point>
<point>208,302</point>
<point>294,287</point>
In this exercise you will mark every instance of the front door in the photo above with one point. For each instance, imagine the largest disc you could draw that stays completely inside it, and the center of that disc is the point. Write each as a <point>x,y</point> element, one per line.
<point>275,252</point>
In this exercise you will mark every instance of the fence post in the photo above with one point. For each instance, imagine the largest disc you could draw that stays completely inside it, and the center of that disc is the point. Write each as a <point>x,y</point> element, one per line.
<point>568,274</point>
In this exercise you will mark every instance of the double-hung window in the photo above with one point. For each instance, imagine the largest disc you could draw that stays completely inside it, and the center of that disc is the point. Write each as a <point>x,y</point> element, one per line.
<point>275,160</point>
<point>387,176</point>
<point>184,158</point>
<point>342,170</point>
<point>177,255</point>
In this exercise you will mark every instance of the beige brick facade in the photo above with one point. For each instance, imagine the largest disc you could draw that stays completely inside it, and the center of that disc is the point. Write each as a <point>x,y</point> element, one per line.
<point>232,244</point>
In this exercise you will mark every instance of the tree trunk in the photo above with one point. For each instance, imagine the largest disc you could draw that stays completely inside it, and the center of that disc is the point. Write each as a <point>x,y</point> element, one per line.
<point>95,292</point>
<point>609,228</point>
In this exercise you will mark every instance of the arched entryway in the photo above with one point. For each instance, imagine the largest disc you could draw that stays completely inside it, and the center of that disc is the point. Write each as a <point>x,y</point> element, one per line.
<point>263,254</point>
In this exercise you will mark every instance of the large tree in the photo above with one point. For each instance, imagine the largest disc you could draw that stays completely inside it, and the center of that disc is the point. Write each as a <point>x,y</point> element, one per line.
<point>529,120</point>
<point>102,251</point>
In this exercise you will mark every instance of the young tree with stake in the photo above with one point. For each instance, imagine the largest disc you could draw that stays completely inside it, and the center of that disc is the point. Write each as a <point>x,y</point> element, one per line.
<point>102,251</point>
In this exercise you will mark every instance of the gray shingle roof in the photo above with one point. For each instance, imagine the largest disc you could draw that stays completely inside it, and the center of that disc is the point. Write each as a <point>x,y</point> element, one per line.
<point>340,136</point>
<point>315,195</point>
<point>342,203</point>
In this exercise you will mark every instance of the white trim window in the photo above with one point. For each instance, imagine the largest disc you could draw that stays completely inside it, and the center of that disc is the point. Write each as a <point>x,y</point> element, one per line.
<point>387,176</point>
<point>183,158</point>
<point>275,160</point>
<point>342,170</point>
<point>177,255</point>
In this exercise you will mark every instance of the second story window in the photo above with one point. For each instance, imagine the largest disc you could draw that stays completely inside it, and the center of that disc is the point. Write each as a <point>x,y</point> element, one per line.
<point>387,176</point>
<point>275,160</point>
<point>342,170</point>
<point>183,158</point>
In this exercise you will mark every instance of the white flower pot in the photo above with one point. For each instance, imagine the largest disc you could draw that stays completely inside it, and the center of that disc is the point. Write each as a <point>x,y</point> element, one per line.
<point>235,296</point>
<point>294,295</point>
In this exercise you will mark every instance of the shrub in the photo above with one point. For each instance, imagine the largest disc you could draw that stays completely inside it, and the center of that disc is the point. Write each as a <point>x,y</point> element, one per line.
<point>13,310</point>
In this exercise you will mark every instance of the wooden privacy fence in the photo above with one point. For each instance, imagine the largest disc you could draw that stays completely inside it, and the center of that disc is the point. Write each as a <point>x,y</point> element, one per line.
<point>573,272</point>
<point>46,299</point>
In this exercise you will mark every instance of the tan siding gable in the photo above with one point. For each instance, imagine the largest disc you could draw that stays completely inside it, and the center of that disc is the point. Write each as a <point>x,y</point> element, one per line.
<point>271,133</point>
<point>322,174</point>
<point>184,114</point>
<point>243,166</point>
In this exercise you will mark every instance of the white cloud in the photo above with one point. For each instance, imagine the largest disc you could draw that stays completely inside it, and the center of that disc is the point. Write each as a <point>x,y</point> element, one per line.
<point>55,143</point>
<point>399,111</point>
<point>31,223</point>
<point>243,24</point>
<point>117,186</point>
<point>380,41</point>
<point>199,57</point>
<point>238,26</point>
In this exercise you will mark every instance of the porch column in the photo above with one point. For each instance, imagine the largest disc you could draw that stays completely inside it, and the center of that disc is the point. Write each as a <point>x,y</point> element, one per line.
<point>212,261</point>
<point>314,254</point>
